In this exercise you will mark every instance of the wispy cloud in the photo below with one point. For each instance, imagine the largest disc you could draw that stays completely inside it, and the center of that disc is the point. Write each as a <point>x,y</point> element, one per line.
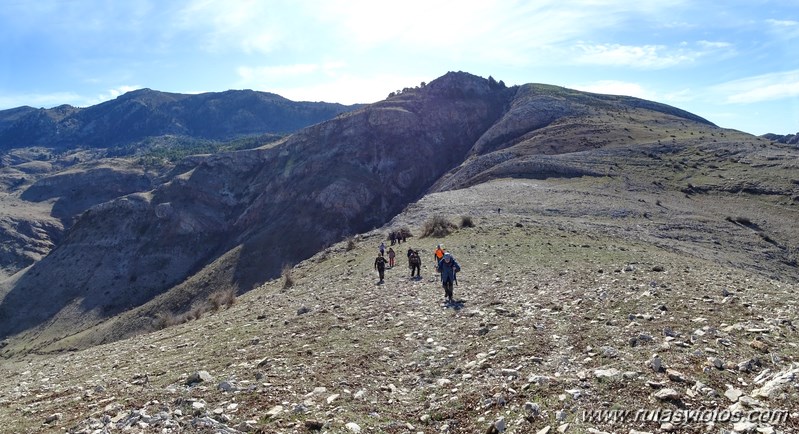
<point>645,56</point>
<point>614,87</point>
<point>45,100</point>
<point>766,87</point>
<point>247,26</point>
<point>109,95</point>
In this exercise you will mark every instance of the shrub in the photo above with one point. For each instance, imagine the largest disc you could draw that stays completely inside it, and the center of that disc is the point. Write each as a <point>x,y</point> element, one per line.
<point>466,222</point>
<point>405,232</point>
<point>350,244</point>
<point>288,279</point>
<point>164,320</point>
<point>437,226</point>
<point>221,298</point>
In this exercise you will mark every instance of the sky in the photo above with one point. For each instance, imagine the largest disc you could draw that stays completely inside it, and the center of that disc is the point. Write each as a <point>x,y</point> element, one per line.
<point>735,63</point>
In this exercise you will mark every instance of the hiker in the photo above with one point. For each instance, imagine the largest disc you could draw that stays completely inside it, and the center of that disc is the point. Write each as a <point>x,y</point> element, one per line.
<point>380,266</point>
<point>438,255</point>
<point>415,263</point>
<point>391,255</point>
<point>393,237</point>
<point>382,248</point>
<point>448,268</point>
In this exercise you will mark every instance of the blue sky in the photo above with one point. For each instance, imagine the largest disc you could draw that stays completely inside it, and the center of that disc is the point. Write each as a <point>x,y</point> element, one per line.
<point>735,63</point>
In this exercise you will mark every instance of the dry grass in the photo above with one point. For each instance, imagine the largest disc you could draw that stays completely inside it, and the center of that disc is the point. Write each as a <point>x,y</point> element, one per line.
<point>438,226</point>
<point>287,276</point>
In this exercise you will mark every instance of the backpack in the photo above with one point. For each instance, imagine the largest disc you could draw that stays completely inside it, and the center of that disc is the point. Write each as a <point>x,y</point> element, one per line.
<point>414,259</point>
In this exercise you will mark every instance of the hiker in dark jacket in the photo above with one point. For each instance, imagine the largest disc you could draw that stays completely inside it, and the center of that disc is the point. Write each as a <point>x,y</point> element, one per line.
<point>380,266</point>
<point>448,268</point>
<point>415,263</point>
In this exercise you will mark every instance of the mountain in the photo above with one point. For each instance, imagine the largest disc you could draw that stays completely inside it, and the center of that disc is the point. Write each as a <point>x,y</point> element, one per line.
<point>144,113</point>
<point>790,139</point>
<point>233,220</point>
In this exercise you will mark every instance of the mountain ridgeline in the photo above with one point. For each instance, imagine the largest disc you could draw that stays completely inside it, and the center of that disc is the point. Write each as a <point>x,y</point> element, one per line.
<point>235,219</point>
<point>146,113</point>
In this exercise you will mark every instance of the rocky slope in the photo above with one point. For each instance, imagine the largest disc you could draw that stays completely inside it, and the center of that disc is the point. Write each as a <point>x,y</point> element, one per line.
<point>584,305</point>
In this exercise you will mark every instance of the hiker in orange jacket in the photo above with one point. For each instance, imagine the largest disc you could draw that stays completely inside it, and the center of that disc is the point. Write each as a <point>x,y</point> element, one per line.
<point>438,254</point>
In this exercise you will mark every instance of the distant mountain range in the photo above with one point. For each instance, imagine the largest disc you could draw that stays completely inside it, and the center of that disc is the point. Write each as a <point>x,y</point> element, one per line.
<point>148,113</point>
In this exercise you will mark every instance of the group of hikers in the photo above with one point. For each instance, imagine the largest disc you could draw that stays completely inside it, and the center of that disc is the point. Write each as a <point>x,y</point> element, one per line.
<point>445,265</point>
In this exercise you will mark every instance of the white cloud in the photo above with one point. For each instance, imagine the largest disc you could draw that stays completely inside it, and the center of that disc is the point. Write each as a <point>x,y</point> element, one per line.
<point>766,87</point>
<point>643,56</point>
<point>109,95</point>
<point>783,23</point>
<point>613,87</point>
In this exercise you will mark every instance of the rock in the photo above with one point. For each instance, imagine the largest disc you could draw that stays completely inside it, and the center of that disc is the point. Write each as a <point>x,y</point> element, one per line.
<point>314,425</point>
<point>303,310</point>
<point>607,373</point>
<point>52,418</point>
<point>733,394</point>
<point>744,427</point>
<point>274,411</point>
<point>360,394</point>
<point>776,384</point>
<point>199,377</point>
<point>610,352</point>
<point>675,376</point>
<point>667,394</point>
<point>332,398</point>
<point>227,386</point>
<point>656,363</point>
<point>353,427</point>
<point>716,362</point>
<point>544,430</point>
<point>658,269</point>
<point>759,345</point>
<point>668,332</point>
<point>749,402</point>
<point>532,409</point>
<point>749,365</point>
<point>563,428</point>
<point>499,425</point>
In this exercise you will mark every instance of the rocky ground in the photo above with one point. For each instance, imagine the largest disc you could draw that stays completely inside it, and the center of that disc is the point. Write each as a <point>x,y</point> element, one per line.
<point>580,308</point>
